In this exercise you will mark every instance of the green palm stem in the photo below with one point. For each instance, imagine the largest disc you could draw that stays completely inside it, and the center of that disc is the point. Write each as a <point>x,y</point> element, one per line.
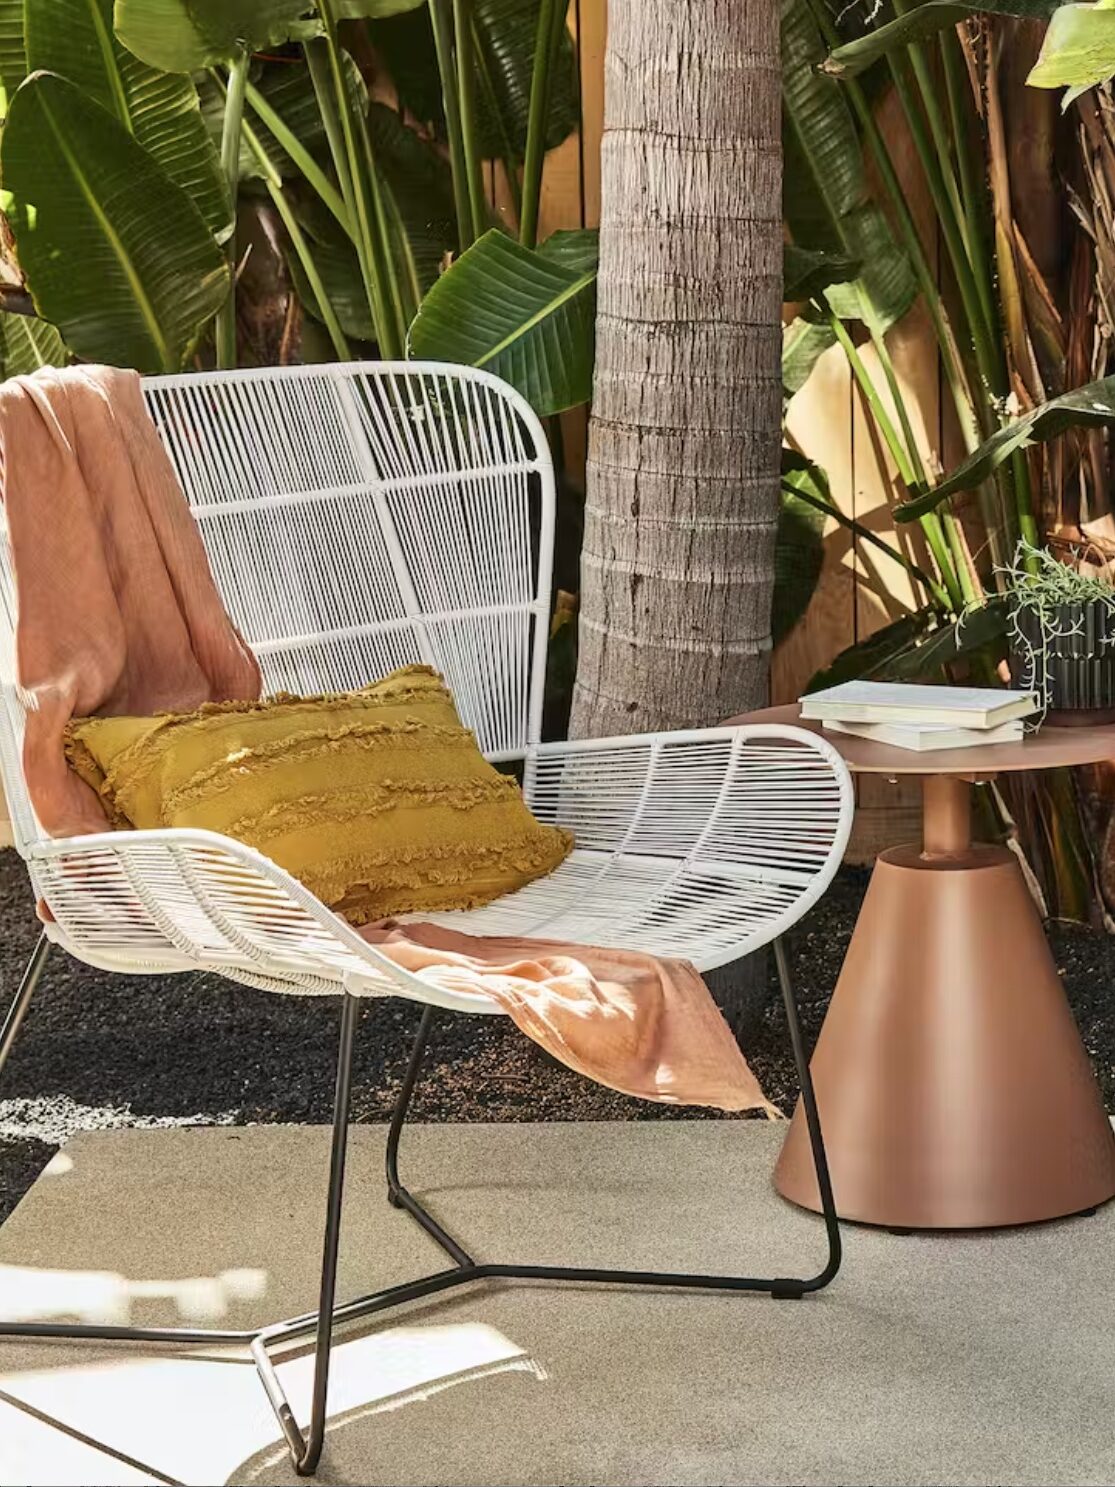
<point>225,332</point>
<point>466,94</point>
<point>961,122</point>
<point>274,182</point>
<point>508,156</point>
<point>934,534</point>
<point>327,76</point>
<point>942,144</point>
<point>951,526</point>
<point>384,235</point>
<point>972,413</point>
<point>990,365</point>
<point>1003,518</point>
<point>409,282</point>
<point>968,229</point>
<point>443,46</point>
<point>367,209</point>
<point>933,589</point>
<point>1024,496</point>
<point>551,13</point>
<point>328,194</point>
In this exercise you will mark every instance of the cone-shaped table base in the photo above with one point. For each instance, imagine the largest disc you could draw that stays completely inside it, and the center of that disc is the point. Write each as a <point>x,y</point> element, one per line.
<point>953,1087</point>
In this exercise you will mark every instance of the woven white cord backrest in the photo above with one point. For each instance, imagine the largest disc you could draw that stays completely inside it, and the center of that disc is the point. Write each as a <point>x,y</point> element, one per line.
<point>357,518</point>
<point>363,517</point>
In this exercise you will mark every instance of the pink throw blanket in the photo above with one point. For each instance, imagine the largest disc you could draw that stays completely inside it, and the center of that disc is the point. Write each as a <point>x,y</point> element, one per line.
<point>119,614</point>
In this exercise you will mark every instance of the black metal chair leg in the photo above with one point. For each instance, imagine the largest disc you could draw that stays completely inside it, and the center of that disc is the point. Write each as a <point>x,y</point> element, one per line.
<point>397,1194</point>
<point>402,1105</point>
<point>812,1119</point>
<point>22,1000</point>
<point>782,1287</point>
<point>305,1450</point>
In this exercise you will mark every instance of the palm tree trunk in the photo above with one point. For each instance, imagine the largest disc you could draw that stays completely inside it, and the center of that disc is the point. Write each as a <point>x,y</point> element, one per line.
<point>682,497</point>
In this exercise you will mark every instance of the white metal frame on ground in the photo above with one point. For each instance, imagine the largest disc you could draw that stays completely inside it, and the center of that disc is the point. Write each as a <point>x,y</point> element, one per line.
<point>361,517</point>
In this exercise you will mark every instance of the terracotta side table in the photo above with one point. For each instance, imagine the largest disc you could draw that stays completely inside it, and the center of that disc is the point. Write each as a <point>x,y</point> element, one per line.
<point>953,1087</point>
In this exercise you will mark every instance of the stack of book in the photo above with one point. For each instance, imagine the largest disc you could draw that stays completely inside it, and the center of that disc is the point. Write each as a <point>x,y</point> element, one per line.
<point>922,718</point>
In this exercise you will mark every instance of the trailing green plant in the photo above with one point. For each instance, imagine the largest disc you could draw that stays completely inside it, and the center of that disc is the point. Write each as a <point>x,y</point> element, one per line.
<point>1049,603</point>
<point>1024,349</point>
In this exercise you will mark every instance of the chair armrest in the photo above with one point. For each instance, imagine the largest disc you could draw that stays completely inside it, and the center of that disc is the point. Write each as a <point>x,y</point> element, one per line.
<point>756,817</point>
<point>133,899</point>
<point>610,791</point>
<point>177,899</point>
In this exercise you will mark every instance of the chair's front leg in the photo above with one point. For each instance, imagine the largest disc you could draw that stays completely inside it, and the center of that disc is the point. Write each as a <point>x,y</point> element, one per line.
<point>22,999</point>
<point>305,1450</point>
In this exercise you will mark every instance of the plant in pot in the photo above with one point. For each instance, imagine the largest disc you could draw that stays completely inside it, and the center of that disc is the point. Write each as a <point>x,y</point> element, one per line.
<point>1062,636</point>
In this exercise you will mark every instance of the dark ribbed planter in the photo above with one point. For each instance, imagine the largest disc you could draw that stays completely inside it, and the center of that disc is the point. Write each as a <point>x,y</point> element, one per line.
<point>1078,641</point>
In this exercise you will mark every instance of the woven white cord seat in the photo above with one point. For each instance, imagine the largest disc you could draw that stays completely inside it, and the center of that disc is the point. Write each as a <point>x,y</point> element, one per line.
<point>363,517</point>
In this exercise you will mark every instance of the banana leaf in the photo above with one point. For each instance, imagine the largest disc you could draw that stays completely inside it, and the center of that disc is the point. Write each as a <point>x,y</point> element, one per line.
<point>504,33</point>
<point>335,258</point>
<point>803,343</point>
<point>526,315</point>
<point>827,202</point>
<point>918,645</point>
<point>922,19</point>
<point>13,54</point>
<point>74,38</point>
<point>799,550</point>
<point>416,176</point>
<point>115,254</point>
<point>186,35</point>
<point>806,272</point>
<point>351,10</point>
<point>284,86</point>
<point>1078,50</point>
<point>420,182</point>
<point>1090,406</point>
<point>27,343</point>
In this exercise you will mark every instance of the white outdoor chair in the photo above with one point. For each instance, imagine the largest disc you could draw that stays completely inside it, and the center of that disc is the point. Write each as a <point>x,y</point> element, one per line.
<point>359,518</point>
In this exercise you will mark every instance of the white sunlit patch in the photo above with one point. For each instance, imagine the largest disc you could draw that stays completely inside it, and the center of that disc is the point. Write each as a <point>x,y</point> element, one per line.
<point>55,1118</point>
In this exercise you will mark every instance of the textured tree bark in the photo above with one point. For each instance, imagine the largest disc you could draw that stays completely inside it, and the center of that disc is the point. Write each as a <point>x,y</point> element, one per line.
<point>682,495</point>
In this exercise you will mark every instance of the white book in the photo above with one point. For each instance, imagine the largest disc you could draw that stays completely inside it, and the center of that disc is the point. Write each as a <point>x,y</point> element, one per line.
<point>898,702</point>
<point>922,737</point>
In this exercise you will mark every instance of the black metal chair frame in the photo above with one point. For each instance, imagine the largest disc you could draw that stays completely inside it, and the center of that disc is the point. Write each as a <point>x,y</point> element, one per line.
<point>306,1446</point>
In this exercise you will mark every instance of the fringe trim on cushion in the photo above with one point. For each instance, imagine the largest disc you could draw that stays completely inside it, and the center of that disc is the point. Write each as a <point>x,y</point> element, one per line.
<point>368,876</point>
<point>375,694</point>
<point>367,801</point>
<point>227,774</point>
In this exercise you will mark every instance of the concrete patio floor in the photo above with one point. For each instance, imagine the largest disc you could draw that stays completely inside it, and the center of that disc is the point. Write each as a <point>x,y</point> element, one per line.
<point>932,1359</point>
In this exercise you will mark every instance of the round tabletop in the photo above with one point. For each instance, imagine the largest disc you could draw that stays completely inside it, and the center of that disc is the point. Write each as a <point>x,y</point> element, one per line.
<point>1048,748</point>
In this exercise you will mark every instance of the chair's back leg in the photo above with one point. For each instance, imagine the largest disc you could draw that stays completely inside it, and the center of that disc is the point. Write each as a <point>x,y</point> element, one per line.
<point>812,1121</point>
<point>397,1194</point>
<point>22,999</point>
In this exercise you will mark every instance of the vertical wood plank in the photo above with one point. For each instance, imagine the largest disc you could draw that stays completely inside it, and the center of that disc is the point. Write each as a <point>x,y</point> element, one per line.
<point>889,810</point>
<point>819,423</point>
<point>592,34</point>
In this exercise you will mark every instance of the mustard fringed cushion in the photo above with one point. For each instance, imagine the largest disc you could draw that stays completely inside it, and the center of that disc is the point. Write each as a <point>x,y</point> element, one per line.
<point>378,800</point>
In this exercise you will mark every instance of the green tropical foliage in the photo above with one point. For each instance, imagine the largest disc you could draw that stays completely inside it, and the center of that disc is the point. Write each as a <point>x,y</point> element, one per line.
<point>525,314</point>
<point>162,119</point>
<point>1027,361</point>
<point>85,192</point>
<point>75,39</point>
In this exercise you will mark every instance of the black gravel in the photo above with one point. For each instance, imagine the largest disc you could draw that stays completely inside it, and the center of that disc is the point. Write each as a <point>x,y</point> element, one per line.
<point>98,1050</point>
